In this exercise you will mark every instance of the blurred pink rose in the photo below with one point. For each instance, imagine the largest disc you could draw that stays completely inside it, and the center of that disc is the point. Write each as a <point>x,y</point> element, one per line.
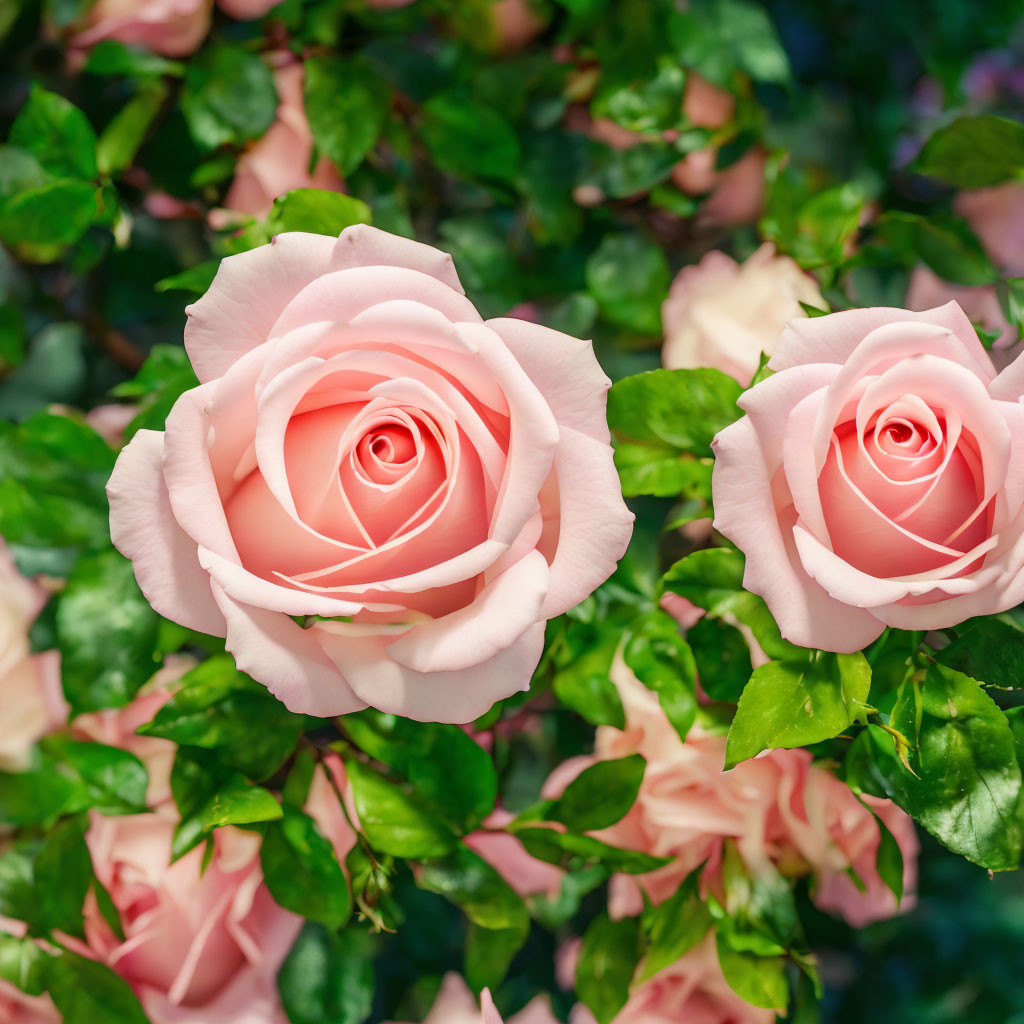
<point>279,160</point>
<point>516,24</point>
<point>736,192</point>
<point>706,105</point>
<point>456,1004</point>
<point>779,808</point>
<point>110,421</point>
<point>18,1008</point>
<point>200,944</point>
<point>692,990</point>
<point>507,855</point>
<point>874,481</point>
<point>388,5</point>
<point>724,314</point>
<point>324,807</point>
<point>31,698</point>
<point>366,453</point>
<point>174,28</point>
<point>996,215</point>
<point>980,302</point>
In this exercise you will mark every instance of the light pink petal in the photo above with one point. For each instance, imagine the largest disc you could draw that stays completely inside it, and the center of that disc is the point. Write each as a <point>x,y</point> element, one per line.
<point>247,296</point>
<point>456,697</point>
<point>286,659</point>
<point>502,612</point>
<point>745,513</point>
<point>488,1009</point>
<point>363,246</point>
<point>565,371</point>
<point>833,338</point>
<point>143,528</point>
<point>593,523</point>
<point>1009,385</point>
<point>453,1003</point>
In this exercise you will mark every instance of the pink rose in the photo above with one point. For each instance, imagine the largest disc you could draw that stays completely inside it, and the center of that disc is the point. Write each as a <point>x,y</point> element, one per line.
<point>980,302</point>
<point>876,478</point>
<point>279,161</point>
<point>455,1004</point>
<point>200,943</point>
<point>174,28</point>
<point>996,216</point>
<point>516,24</point>
<point>419,489</point>
<point>736,192</point>
<point>691,990</point>
<point>507,855</point>
<point>31,698</point>
<point>779,809</point>
<point>706,105</point>
<point>110,422</point>
<point>325,808</point>
<point>724,314</point>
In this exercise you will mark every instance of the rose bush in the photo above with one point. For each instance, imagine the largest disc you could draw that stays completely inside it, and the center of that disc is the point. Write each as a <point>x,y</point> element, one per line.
<point>364,453</point>
<point>874,480</point>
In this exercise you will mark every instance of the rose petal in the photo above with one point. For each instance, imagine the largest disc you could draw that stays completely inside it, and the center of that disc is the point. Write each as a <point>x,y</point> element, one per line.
<point>363,246</point>
<point>143,528</point>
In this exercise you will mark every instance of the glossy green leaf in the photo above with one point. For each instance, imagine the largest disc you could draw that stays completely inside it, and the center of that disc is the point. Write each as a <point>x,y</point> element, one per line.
<point>760,980</point>
<point>86,991</point>
<point>310,209</point>
<point>974,152</point>
<point>608,959</point>
<point>601,794</point>
<point>57,134</point>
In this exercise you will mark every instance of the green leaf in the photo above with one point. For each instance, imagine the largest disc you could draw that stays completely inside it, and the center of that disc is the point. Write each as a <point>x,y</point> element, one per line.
<point>489,953</point>
<point>302,872</point>
<point>575,852</point>
<point>40,794</point>
<point>745,28</point>
<point>760,980</point>
<point>713,580</point>
<point>23,964</point>
<point>209,795</point>
<point>106,633</point>
<point>663,471</point>
<point>86,991</point>
<point>328,978</point>
<point>113,780</point>
<point>722,657</point>
<point>57,134</point>
<point>451,776</point>
<point>12,334</point>
<point>628,276</point>
<point>310,209</point>
<point>797,703</point>
<point>662,660</point>
<point>672,412</point>
<point>122,138</point>
<point>582,676</point>
<point>968,782</point>
<point>347,104</point>
<point>196,279</point>
<point>219,708</point>
<point>974,152</point>
<point>674,927</point>
<point>229,96</point>
<point>889,860</point>
<point>164,377</point>
<point>112,57</point>
<point>62,874</point>
<point>990,650</point>
<point>393,821</point>
<point>946,244</point>
<point>469,139</point>
<point>608,958</point>
<point>43,221</point>
<point>601,794</point>
<point>652,104</point>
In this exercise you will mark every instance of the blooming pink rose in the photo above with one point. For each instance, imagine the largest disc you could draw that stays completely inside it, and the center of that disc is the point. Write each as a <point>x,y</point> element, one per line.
<point>692,990</point>
<point>174,28</point>
<point>456,1004</point>
<point>279,160</point>
<point>779,809</point>
<point>419,489</point>
<point>200,943</point>
<point>996,215</point>
<point>980,302</point>
<point>31,698</point>
<point>876,478</point>
<point>724,314</point>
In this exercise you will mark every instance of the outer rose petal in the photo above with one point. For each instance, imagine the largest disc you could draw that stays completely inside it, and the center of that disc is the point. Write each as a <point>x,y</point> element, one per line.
<point>143,528</point>
<point>365,246</point>
<point>247,296</point>
<point>745,513</point>
<point>456,697</point>
<point>246,10</point>
<point>487,1008</point>
<point>286,659</point>
<point>833,339</point>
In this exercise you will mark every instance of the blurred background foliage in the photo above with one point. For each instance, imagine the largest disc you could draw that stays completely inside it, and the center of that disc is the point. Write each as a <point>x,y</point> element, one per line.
<point>509,148</point>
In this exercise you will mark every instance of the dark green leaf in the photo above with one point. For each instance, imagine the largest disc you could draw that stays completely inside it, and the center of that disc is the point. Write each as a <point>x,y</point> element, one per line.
<point>62,874</point>
<point>601,794</point>
<point>607,961</point>
<point>302,872</point>
<point>113,780</point>
<point>196,279</point>
<point>347,103</point>
<point>57,134</point>
<point>991,650</point>
<point>673,928</point>
<point>328,978</point>
<point>121,139</point>
<point>628,276</point>
<point>112,57</point>
<point>470,140</point>
<point>310,209</point>
<point>722,657</point>
<point>571,851</point>
<point>973,152</point>
<point>968,783</point>
<point>87,991</point>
